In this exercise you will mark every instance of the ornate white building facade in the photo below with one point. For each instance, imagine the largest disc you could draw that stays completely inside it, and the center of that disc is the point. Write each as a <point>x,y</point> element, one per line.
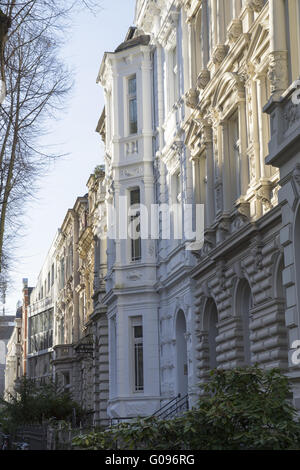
<point>184,122</point>
<point>201,108</point>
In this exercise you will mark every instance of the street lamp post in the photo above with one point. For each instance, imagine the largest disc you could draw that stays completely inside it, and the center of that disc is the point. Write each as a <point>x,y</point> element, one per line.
<point>5,23</point>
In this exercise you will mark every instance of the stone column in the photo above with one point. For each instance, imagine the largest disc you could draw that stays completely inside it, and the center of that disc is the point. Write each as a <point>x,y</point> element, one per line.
<point>160,165</point>
<point>262,125</point>
<point>196,179</point>
<point>192,52</point>
<point>76,280</point>
<point>244,174</point>
<point>205,34</point>
<point>236,8</point>
<point>204,75</point>
<point>255,165</point>
<point>210,206</point>
<point>227,190</point>
<point>278,66</point>
<point>214,23</point>
<point>221,21</point>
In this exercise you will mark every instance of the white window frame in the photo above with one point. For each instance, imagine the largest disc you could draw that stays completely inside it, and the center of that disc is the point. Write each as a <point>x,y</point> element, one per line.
<point>132,258</point>
<point>136,342</point>
<point>131,97</point>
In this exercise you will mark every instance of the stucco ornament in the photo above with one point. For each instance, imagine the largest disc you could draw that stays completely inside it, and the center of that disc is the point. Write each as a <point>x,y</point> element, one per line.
<point>296,177</point>
<point>203,78</point>
<point>219,53</point>
<point>191,98</point>
<point>235,29</point>
<point>278,71</point>
<point>256,5</point>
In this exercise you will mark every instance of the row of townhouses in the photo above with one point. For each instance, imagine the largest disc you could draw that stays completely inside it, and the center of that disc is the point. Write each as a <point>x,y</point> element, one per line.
<point>202,107</point>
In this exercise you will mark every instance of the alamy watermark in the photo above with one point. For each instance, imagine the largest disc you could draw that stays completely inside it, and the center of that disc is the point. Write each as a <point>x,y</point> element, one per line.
<point>183,222</point>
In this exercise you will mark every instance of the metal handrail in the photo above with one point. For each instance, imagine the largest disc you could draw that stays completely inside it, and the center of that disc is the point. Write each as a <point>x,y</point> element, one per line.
<point>179,405</point>
<point>166,405</point>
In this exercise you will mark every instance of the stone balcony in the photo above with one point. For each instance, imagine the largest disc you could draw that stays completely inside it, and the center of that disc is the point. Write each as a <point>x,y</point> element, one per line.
<point>63,352</point>
<point>285,124</point>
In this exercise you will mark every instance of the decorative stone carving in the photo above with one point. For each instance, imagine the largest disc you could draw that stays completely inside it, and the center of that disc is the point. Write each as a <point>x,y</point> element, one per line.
<point>296,178</point>
<point>223,226</point>
<point>255,5</point>
<point>178,147</point>
<point>278,71</point>
<point>264,194</point>
<point>191,98</point>
<point>218,195</point>
<point>242,215</point>
<point>207,132</point>
<point>131,147</point>
<point>252,171</point>
<point>134,276</point>
<point>243,208</point>
<point>234,30</point>
<point>219,54</point>
<point>203,79</point>
<point>291,115</point>
<point>208,245</point>
<point>125,173</point>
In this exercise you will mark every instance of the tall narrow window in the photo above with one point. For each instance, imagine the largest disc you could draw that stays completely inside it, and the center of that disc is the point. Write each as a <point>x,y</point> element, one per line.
<point>113,356</point>
<point>178,187</point>
<point>234,158</point>
<point>132,105</point>
<point>62,273</point>
<point>175,73</point>
<point>52,274</point>
<point>173,87</point>
<point>138,357</point>
<point>135,225</point>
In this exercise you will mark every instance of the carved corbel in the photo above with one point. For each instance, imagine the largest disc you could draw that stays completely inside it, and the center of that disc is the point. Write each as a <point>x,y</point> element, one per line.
<point>203,79</point>
<point>264,194</point>
<point>209,242</point>
<point>234,30</point>
<point>296,178</point>
<point>278,71</point>
<point>192,98</point>
<point>178,147</point>
<point>255,5</point>
<point>219,54</point>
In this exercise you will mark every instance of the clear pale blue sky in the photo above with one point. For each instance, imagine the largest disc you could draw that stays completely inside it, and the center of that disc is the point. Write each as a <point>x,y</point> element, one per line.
<point>75,134</point>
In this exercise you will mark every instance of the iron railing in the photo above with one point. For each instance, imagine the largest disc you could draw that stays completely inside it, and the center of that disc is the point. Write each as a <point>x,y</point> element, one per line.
<point>173,408</point>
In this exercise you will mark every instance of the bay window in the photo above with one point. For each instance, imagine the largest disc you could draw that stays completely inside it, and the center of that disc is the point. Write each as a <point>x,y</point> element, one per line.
<point>132,105</point>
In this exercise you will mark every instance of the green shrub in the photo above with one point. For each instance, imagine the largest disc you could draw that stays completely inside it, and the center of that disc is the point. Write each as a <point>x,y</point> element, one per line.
<point>240,409</point>
<point>33,403</point>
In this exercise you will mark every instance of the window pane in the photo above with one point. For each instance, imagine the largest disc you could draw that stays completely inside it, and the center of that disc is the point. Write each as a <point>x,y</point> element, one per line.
<point>134,197</point>
<point>139,367</point>
<point>132,86</point>
<point>136,249</point>
<point>133,116</point>
<point>138,331</point>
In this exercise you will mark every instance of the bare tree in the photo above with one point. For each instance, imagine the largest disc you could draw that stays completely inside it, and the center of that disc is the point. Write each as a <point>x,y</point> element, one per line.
<point>37,83</point>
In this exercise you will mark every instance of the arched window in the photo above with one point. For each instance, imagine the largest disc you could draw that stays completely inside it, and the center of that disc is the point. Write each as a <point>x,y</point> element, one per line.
<point>181,350</point>
<point>212,335</point>
<point>210,325</point>
<point>243,306</point>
